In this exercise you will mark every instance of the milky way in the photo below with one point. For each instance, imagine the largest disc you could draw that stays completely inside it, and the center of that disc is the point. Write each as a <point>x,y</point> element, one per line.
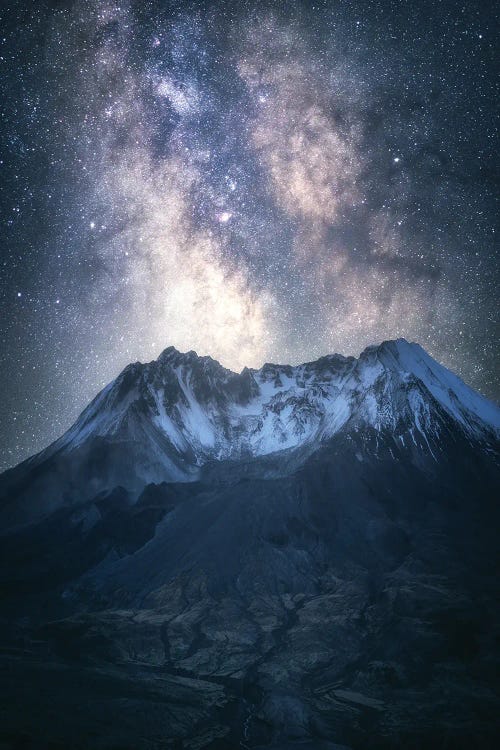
<point>258,182</point>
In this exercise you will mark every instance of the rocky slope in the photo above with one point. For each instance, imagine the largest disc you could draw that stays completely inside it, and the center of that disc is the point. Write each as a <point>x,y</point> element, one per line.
<point>290,557</point>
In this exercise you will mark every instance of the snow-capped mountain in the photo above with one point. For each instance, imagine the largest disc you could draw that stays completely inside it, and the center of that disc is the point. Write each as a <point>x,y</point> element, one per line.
<point>207,412</point>
<point>164,420</point>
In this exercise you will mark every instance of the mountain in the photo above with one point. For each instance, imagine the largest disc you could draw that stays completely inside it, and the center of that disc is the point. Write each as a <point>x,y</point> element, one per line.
<point>168,419</point>
<point>286,557</point>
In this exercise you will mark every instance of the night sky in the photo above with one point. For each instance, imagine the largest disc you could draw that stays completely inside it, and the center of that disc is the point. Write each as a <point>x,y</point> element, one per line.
<point>254,181</point>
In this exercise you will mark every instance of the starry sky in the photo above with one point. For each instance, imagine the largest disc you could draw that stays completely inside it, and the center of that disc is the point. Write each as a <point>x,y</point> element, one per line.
<point>254,181</point>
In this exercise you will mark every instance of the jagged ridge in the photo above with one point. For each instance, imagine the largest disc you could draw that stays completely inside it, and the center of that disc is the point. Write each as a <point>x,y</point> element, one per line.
<point>206,411</point>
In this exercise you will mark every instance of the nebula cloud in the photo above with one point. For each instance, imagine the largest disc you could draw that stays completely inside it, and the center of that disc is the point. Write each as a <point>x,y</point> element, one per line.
<point>310,136</point>
<point>171,276</point>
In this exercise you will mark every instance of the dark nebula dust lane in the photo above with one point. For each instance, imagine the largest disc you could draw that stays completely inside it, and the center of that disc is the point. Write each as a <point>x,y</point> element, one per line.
<point>254,181</point>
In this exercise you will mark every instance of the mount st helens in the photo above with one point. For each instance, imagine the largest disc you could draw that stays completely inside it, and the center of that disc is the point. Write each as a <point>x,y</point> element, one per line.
<point>286,557</point>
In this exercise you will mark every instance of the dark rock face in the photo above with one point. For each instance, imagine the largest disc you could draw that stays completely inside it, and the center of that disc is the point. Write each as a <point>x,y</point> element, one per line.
<point>334,595</point>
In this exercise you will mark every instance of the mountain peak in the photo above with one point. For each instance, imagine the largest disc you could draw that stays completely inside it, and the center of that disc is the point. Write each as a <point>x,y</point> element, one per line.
<point>168,352</point>
<point>389,345</point>
<point>171,353</point>
<point>174,357</point>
